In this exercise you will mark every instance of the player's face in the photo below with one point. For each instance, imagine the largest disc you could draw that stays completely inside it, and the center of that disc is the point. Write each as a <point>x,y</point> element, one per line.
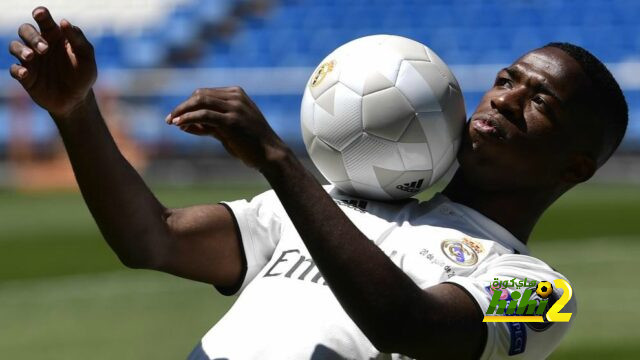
<point>521,133</point>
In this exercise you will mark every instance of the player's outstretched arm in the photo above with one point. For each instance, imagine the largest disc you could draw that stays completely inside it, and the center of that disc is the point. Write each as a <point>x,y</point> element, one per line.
<point>57,68</point>
<point>394,313</point>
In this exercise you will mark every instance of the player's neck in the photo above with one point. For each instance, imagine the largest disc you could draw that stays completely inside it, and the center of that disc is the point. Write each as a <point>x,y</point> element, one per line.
<point>518,212</point>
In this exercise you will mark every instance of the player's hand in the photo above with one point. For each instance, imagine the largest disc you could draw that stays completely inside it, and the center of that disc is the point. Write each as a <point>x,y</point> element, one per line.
<point>230,116</point>
<point>57,65</point>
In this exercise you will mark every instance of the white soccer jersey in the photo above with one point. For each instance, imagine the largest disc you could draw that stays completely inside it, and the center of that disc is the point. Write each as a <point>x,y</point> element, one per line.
<point>286,311</point>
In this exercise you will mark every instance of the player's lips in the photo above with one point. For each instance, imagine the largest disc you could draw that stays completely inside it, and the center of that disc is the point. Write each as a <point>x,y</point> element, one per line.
<point>488,125</point>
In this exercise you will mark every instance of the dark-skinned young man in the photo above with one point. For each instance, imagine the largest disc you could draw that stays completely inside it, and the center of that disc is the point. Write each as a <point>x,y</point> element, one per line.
<point>370,280</point>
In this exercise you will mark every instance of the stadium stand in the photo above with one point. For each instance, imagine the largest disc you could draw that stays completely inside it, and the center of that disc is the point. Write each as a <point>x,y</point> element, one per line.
<point>258,36</point>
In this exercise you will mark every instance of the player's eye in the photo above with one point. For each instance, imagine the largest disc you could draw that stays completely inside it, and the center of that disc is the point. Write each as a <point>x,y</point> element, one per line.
<point>538,100</point>
<point>504,82</point>
<point>541,104</point>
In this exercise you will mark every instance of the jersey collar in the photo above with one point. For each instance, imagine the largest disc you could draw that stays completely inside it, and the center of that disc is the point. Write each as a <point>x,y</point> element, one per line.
<point>490,228</point>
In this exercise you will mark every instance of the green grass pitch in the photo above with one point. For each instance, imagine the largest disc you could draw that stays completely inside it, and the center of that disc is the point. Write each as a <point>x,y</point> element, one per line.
<point>63,294</point>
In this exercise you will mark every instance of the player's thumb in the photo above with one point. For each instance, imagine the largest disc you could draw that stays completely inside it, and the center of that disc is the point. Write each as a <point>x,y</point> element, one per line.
<point>79,43</point>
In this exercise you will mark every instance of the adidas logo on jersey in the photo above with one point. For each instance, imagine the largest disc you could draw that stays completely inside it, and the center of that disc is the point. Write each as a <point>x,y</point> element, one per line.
<point>412,187</point>
<point>360,205</point>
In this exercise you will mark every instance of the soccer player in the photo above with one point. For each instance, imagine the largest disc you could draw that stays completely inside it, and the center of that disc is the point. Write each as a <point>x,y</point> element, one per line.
<point>324,275</point>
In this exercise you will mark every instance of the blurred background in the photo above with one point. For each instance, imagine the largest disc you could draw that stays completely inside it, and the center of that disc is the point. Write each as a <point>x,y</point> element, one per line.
<point>63,294</point>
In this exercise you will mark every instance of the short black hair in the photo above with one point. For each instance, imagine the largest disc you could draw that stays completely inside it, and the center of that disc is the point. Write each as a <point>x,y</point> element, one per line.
<point>611,106</point>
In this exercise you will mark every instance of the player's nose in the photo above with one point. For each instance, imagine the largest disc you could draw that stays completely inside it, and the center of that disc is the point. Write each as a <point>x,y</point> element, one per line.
<point>510,104</point>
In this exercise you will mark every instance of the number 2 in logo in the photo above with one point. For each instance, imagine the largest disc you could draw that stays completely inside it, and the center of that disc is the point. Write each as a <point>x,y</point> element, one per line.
<point>554,313</point>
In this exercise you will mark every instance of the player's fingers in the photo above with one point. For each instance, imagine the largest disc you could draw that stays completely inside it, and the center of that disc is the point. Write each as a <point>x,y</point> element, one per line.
<point>208,118</point>
<point>18,72</point>
<point>201,99</point>
<point>77,40</point>
<point>196,129</point>
<point>32,38</point>
<point>48,28</point>
<point>20,51</point>
<point>21,74</point>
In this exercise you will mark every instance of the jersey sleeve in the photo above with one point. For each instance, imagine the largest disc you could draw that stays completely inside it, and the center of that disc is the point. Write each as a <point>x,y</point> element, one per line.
<point>517,340</point>
<point>258,224</point>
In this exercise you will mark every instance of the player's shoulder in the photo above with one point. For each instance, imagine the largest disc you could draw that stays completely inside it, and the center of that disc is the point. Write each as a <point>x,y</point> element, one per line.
<point>263,205</point>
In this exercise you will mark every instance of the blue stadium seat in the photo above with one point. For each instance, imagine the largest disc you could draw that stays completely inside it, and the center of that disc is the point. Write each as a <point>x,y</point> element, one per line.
<point>144,51</point>
<point>108,49</point>
<point>213,11</point>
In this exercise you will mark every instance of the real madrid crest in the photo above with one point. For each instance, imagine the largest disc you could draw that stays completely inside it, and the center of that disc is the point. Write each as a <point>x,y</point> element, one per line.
<point>322,72</point>
<point>475,245</point>
<point>460,252</point>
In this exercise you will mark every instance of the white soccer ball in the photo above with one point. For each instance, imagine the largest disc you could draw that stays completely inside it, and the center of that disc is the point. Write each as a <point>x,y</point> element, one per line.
<point>382,117</point>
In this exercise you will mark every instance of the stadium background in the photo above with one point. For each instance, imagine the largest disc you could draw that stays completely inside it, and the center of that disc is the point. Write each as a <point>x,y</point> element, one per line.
<point>63,295</point>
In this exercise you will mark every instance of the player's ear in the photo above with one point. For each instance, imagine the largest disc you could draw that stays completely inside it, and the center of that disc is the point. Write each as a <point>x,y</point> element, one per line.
<point>580,168</point>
